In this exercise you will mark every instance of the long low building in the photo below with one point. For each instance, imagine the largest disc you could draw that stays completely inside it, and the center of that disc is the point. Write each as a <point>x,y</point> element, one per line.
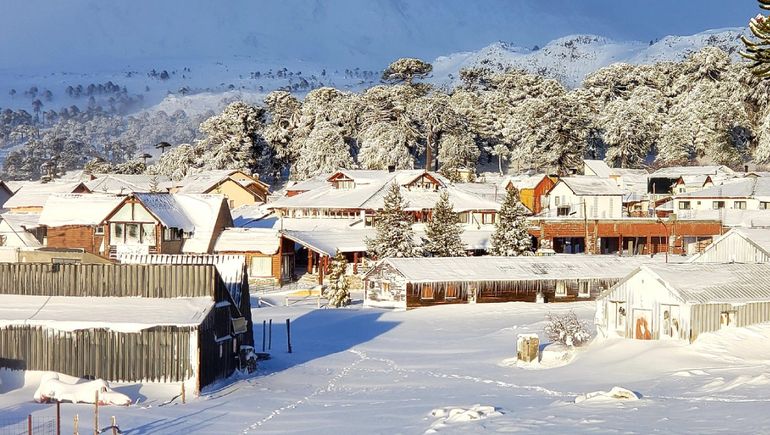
<point>133,323</point>
<point>682,301</point>
<point>413,282</point>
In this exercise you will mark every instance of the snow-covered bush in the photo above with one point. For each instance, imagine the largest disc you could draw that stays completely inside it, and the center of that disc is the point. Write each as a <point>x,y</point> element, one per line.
<point>566,329</point>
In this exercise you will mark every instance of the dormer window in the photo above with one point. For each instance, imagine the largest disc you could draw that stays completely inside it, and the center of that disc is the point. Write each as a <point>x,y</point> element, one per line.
<point>344,183</point>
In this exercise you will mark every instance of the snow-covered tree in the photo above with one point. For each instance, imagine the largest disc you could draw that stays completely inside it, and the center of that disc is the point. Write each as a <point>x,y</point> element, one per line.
<point>323,151</point>
<point>758,51</point>
<point>511,236</point>
<point>457,150</point>
<point>176,163</point>
<point>631,127</point>
<point>385,144</point>
<point>443,230</point>
<point>406,70</point>
<point>233,140</point>
<point>338,291</point>
<point>394,235</point>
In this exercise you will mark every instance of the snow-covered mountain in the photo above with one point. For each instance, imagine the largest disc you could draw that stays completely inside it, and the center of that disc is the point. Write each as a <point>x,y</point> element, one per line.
<point>570,59</point>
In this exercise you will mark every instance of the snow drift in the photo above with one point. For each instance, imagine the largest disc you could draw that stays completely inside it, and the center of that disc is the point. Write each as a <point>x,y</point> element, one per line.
<point>52,389</point>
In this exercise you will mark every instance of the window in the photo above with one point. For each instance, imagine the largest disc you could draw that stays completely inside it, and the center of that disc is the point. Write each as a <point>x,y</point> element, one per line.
<point>562,211</point>
<point>620,315</point>
<point>561,289</point>
<point>584,289</point>
<point>451,292</point>
<point>369,221</point>
<point>426,292</point>
<point>116,232</point>
<point>487,218</point>
<point>764,205</point>
<point>261,266</point>
<point>172,233</point>
<point>716,205</point>
<point>99,230</point>
<point>556,200</point>
<point>740,205</point>
<point>727,318</point>
<point>684,205</point>
<point>464,217</point>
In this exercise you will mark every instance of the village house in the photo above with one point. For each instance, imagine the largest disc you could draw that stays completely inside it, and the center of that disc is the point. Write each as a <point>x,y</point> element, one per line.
<point>750,193</point>
<point>682,301</point>
<point>75,221</point>
<point>585,197</point>
<point>268,256</point>
<point>237,186</point>
<point>31,196</point>
<point>5,193</point>
<point>127,323</point>
<point>163,223</point>
<point>414,282</point>
<point>664,181</point>
<point>632,182</point>
<point>121,184</point>
<point>21,230</point>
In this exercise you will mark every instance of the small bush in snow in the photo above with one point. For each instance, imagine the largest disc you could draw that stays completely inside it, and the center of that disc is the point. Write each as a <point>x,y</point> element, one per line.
<point>566,329</point>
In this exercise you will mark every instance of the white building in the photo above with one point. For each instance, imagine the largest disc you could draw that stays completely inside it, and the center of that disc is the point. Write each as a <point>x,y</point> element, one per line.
<point>739,245</point>
<point>682,301</point>
<point>585,197</point>
<point>752,193</point>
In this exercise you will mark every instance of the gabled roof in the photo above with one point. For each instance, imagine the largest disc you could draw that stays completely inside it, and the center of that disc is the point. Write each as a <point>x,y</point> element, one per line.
<point>36,194</point>
<point>125,184</point>
<point>678,171</point>
<point>194,213</point>
<point>759,237</point>
<point>737,188</point>
<point>18,224</point>
<point>599,168</point>
<point>263,240</point>
<point>523,181</point>
<point>591,186</point>
<point>360,175</point>
<point>77,209</point>
<point>704,283</point>
<point>204,182</point>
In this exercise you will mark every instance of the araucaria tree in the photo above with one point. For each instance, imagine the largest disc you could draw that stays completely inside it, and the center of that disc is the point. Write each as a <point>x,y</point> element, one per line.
<point>394,237</point>
<point>511,237</point>
<point>443,231</point>
<point>406,70</point>
<point>338,291</point>
<point>759,52</point>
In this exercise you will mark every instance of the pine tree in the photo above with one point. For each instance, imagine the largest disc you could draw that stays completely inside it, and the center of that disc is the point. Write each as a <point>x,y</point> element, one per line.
<point>394,237</point>
<point>338,292</point>
<point>511,237</point>
<point>759,52</point>
<point>443,230</point>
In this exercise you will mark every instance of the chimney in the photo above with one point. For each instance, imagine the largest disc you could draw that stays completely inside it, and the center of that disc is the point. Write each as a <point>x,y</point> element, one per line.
<point>391,168</point>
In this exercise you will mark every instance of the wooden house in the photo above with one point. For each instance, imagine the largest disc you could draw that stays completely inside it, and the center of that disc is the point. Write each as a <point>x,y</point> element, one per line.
<point>129,323</point>
<point>585,198</point>
<point>532,190</point>
<point>163,223</point>
<point>414,282</point>
<point>75,221</point>
<point>682,301</point>
<point>268,256</point>
<point>238,187</point>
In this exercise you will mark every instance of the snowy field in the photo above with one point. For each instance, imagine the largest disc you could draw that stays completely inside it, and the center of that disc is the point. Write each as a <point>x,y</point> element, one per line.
<point>360,370</point>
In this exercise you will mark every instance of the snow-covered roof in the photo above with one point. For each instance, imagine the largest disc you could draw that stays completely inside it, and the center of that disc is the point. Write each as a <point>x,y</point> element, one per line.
<point>708,283</point>
<point>66,313</point>
<point>194,213</point>
<point>77,209</point>
<point>266,241</point>
<point>591,186</point>
<point>310,183</point>
<point>18,224</point>
<point>728,216</point>
<point>759,237</point>
<point>329,241</point>
<point>362,176</point>
<point>737,188</point>
<point>598,167</point>
<point>36,194</point>
<point>202,182</point>
<point>473,269</point>
<point>124,184</point>
<point>695,180</point>
<point>245,214</point>
<point>524,181</point>
<point>678,171</point>
<point>426,199</point>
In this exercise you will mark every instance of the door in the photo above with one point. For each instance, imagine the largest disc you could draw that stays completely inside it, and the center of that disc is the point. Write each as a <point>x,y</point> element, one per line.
<point>643,324</point>
<point>669,321</point>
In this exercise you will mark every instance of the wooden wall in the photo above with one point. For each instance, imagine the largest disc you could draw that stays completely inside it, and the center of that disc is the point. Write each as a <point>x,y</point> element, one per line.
<point>157,354</point>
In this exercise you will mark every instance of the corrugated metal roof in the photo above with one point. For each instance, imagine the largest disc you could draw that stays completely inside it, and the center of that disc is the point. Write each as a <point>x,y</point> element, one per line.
<point>78,209</point>
<point>263,240</point>
<point>715,283</point>
<point>36,194</point>
<point>591,186</point>
<point>557,267</point>
<point>599,167</point>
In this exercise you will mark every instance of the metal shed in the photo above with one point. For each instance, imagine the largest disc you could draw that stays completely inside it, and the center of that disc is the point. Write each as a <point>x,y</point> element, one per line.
<point>739,245</point>
<point>682,301</point>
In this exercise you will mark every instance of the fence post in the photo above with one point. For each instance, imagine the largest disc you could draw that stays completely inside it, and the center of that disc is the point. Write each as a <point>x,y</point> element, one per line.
<point>75,423</point>
<point>288,333</point>
<point>96,412</point>
<point>264,324</point>
<point>270,335</point>
<point>184,396</point>
<point>29,424</point>
<point>114,426</point>
<point>58,418</point>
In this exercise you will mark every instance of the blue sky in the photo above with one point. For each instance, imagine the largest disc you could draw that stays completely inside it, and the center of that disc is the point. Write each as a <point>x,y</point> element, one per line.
<point>332,32</point>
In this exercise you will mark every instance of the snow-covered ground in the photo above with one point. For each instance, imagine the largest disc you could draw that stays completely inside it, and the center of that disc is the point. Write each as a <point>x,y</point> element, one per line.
<point>449,370</point>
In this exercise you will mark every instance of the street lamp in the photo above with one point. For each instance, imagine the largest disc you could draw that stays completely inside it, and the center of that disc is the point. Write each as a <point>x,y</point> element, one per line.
<point>672,220</point>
